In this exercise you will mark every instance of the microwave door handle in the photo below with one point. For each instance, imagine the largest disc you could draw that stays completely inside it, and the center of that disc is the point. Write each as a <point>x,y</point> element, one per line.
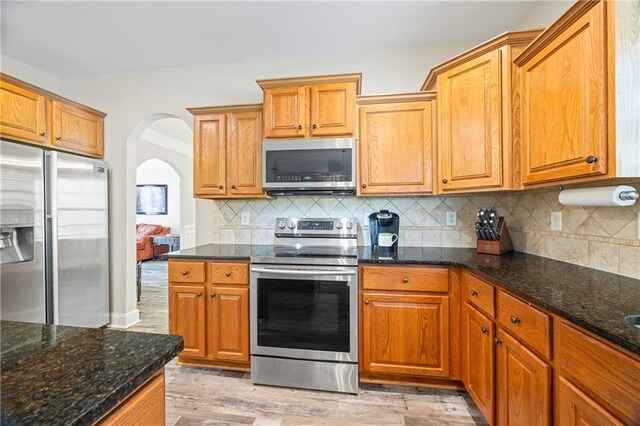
<point>301,272</point>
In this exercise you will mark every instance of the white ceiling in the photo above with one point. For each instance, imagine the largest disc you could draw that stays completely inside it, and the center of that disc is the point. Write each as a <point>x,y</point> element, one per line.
<point>85,38</point>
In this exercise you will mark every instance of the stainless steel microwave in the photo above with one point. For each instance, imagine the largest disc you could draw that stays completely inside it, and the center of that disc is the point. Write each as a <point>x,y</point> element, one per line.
<point>309,166</point>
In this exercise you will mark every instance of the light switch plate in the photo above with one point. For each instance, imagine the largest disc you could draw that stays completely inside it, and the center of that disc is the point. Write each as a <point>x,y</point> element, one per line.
<point>452,218</point>
<point>246,218</point>
<point>556,221</point>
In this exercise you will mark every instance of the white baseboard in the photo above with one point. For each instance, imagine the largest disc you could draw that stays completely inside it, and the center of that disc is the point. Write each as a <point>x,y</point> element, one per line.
<point>124,320</point>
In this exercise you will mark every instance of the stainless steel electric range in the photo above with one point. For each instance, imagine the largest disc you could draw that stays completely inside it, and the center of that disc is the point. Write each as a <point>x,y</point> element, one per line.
<point>304,307</point>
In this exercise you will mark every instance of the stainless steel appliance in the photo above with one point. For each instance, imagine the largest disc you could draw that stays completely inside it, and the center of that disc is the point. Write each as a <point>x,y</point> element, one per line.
<point>309,166</point>
<point>304,306</point>
<point>381,222</point>
<point>54,247</point>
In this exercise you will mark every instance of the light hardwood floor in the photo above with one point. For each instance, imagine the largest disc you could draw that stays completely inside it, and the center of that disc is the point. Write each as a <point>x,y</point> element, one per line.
<point>199,396</point>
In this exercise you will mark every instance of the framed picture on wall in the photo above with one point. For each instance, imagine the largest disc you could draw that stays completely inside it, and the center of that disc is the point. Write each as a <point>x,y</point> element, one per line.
<point>151,199</point>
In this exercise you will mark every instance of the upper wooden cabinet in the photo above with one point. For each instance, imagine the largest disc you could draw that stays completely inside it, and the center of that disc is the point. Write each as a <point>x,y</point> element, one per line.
<point>477,102</point>
<point>309,107</point>
<point>227,152</point>
<point>579,80</point>
<point>32,115</point>
<point>397,136</point>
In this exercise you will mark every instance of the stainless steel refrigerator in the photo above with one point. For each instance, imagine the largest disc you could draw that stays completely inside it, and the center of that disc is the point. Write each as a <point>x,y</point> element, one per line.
<point>54,245</point>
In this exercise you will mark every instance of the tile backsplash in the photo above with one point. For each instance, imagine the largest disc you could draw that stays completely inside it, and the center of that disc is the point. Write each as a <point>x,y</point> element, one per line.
<point>604,238</point>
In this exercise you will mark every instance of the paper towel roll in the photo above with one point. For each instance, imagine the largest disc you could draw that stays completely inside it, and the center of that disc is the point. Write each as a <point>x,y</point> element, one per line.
<point>596,197</point>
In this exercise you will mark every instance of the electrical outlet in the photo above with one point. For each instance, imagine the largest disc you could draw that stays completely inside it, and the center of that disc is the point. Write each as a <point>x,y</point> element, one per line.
<point>452,218</point>
<point>556,221</point>
<point>246,218</point>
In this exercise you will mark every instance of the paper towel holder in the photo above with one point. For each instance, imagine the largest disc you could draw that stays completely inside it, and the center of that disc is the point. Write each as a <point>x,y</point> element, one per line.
<point>621,195</point>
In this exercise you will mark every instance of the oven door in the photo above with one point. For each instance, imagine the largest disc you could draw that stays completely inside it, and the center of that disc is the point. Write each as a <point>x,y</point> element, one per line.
<point>304,312</point>
<point>309,164</point>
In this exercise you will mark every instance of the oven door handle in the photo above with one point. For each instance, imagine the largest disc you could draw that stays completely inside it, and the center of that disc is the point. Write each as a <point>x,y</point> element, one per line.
<point>301,272</point>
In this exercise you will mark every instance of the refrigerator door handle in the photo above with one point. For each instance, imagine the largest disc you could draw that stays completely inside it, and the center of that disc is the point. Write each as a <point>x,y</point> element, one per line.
<point>51,203</point>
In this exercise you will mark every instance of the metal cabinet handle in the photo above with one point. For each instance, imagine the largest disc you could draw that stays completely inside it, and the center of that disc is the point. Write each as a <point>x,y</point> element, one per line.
<point>233,186</point>
<point>497,341</point>
<point>515,320</point>
<point>213,295</point>
<point>59,138</point>
<point>445,181</point>
<point>227,274</point>
<point>364,185</point>
<point>591,159</point>
<point>299,126</point>
<point>484,330</point>
<point>366,302</point>
<point>220,186</point>
<point>314,127</point>
<point>43,134</point>
<point>199,294</point>
<point>405,280</point>
<point>185,273</point>
<point>474,293</point>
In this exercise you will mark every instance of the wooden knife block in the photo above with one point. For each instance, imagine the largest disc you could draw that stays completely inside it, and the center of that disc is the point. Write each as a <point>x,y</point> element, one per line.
<point>499,247</point>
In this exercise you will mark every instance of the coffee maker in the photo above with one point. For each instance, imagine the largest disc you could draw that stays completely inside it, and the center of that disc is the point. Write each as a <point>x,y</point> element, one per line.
<point>384,222</point>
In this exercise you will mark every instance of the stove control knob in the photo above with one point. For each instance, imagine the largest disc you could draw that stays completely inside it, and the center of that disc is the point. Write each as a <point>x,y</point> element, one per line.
<point>282,224</point>
<point>339,225</point>
<point>350,224</point>
<point>292,224</point>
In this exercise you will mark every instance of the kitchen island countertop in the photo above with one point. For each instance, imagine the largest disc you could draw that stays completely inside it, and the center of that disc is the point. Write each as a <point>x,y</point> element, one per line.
<point>595,300</point>
<point>72,375</point>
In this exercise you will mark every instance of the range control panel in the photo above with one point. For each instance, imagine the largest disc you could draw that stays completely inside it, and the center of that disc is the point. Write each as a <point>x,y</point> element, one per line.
<point>304,227</point>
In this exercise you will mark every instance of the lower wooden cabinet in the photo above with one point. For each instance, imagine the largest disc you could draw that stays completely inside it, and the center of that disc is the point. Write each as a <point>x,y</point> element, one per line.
<point>187,317</point>
<point>523,384</point>
<point>575,408</point>
<point>478,359</point>
<point>405,334</point>
<point>228,324</point>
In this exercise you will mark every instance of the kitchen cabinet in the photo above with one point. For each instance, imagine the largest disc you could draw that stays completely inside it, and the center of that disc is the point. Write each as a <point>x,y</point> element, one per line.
<point>307,107</point>
<point>578,80</point>
<point>405,334</point>
<point>32,115</point>
<point>523,384</point>
<point>575,408</point>
<point>77,130</point>
<point>478,105</point>
<point>187,317</point>
<point>228,323</point>
<point>397,138</point>
<point>478,359</point>
<point>227,152</point>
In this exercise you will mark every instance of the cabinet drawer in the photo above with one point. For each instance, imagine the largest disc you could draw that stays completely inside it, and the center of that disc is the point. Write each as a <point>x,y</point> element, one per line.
<point>607,375</point>
<point>479,293</point>
<point>229,273</point>
<point>526,322</point>
<point>186,272</point>
<point>405,278</point>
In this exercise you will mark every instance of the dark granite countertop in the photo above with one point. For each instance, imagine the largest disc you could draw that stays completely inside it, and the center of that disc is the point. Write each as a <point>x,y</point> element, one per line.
<point>593,299</point>
<point>72,375</point>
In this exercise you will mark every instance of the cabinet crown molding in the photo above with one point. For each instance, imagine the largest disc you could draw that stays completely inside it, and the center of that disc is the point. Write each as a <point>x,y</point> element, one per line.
<point>225,109</point>
<point>393,98</point>
<point>35,89</point>
<point>551,33</point>
<point>509,38</point>
<point>313,80</point>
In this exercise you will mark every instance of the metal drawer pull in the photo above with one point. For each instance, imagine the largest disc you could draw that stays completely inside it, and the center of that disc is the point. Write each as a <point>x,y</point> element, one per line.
<point>227,274</point>
<point>366,302</point>
<point>497,341</point>
<point>484,330</point>
<point>405,280</point>
<point>515,320</point>
<point>199,294</point>
<point>185,273</point>
<point>474,293</point>
<point>213,295</point>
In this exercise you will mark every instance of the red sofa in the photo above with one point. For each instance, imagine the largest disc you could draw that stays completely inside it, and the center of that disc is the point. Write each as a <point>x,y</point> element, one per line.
<point>144,242</point>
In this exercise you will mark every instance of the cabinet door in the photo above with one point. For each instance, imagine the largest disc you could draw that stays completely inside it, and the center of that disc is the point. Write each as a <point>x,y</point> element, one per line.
<point>470,130</point>
<point>405,334</point>
<point>575,408</point>
<point>564,114</point>
<point>209,144</point>
<point>228,324</point>
<point>22,114</point>
<point>523,385</point>
<point>284,112</point>
<point>187,317</point>
<point>244,153</point>
<point>77,130</point>
<point>478,359</point>
<point>333,109</point>
<point>395,152</point>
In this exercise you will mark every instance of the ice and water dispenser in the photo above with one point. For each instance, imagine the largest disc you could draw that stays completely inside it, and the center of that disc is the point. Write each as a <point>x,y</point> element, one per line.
<point>17,237</point>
